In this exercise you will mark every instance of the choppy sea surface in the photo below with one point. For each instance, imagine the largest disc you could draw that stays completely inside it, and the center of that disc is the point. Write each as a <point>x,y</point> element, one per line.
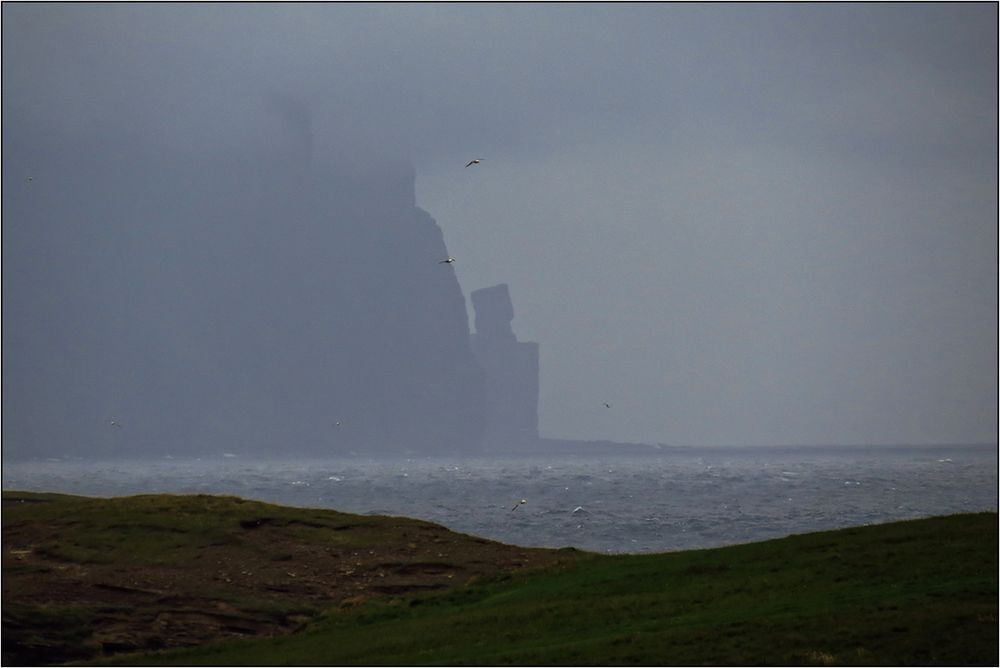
<point>667,501</point>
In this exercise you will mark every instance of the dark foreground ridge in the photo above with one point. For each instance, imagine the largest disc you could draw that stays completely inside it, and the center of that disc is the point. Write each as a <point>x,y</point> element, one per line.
<point>203,580</point>
<point>89,577</point>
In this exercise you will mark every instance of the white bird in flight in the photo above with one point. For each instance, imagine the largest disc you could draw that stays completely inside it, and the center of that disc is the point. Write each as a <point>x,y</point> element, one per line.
<point>448,261</point>
<point>474,161</point>
<point>115,423</point>
<point>518,504</point>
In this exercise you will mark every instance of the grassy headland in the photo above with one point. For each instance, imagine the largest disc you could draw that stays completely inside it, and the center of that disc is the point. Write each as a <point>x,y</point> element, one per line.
<point>87,579</point>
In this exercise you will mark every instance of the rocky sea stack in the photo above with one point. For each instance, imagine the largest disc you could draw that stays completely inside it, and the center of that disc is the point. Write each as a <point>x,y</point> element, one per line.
<point>265,303</point>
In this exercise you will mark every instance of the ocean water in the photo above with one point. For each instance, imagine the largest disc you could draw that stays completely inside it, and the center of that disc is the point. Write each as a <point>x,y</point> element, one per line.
<point>667,501</point>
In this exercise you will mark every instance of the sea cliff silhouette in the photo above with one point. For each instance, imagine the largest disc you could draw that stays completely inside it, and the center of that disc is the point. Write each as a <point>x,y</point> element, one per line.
<point>267,302</point>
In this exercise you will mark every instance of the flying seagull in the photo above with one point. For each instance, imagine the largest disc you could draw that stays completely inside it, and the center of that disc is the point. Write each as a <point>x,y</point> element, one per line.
<point>518,504</point>
<point>116,423</point>
<point>474,161</point>
<point>607,405</point>
<point>448,261</point>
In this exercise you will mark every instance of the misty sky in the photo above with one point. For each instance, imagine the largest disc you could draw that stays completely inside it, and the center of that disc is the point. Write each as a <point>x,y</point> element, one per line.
<point>737,224</point>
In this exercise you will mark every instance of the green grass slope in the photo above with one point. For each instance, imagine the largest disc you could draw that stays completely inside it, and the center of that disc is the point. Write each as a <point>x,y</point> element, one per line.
<point>90,577</point>
<point>909,593</point>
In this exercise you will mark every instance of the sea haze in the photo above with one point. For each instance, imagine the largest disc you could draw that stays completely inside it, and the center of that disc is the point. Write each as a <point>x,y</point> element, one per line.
<point>681,499</point>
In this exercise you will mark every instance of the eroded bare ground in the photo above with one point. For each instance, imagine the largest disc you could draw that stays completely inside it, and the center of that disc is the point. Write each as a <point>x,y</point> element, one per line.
<point>267,572</point>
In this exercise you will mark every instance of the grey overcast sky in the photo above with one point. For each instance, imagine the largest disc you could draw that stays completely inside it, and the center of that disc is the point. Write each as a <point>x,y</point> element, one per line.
<point>736,223</point>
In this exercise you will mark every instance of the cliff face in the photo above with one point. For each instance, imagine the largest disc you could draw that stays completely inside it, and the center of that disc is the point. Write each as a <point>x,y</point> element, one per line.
<point>361,325</point>
<point>510,372</point>
<point>244,306</point>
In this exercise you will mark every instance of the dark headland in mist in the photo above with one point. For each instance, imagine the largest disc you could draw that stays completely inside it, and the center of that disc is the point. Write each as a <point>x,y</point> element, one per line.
<point>271,302</point>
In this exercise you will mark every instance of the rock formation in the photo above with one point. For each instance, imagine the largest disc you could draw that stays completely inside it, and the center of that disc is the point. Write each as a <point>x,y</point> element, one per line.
<point>510,372</point>
<point>245,304</point>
